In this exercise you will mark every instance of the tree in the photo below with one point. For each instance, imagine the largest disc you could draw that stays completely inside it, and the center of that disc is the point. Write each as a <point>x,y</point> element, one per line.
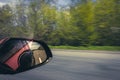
<point>6,21</point>
<point>115,24</point>
<point>64,33</point>
<point>41,17</point>
<point>106,18</point>
<point>83,17</point>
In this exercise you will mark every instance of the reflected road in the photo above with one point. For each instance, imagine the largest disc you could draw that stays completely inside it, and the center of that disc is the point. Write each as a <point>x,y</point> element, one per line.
<point>75,65</point>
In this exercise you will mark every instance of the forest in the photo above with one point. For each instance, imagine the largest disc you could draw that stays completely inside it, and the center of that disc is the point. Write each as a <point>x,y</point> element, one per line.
<point>81,23</point>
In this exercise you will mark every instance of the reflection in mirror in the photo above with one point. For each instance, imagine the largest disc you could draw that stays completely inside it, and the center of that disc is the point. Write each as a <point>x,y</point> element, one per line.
<point>33,57</point>
<point>39,53</point>
<point>39,56</point>
<point>19,55</point>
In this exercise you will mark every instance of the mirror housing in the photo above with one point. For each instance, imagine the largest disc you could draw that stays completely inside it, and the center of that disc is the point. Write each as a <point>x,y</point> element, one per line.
<point>19,55</point>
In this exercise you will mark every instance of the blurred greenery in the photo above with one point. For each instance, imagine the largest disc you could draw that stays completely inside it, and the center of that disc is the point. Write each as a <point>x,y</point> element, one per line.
<point>106,48</point>
<point>88,23</point>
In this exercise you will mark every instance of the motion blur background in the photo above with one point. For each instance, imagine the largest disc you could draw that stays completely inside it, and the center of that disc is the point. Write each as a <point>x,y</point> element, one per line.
<point>62,22</point>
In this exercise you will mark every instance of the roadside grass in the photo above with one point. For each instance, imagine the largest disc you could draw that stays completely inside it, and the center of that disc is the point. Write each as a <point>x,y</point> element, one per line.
<point>107,48</point>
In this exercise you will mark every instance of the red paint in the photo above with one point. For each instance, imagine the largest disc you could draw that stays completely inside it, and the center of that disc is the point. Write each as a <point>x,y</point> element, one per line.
<point>13,61</point>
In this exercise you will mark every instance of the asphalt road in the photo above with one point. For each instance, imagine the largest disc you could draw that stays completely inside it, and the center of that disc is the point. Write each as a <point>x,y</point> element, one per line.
<point>75,65</point>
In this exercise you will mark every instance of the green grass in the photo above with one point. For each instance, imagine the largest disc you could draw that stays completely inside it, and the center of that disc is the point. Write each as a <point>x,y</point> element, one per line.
<point>108,48</point>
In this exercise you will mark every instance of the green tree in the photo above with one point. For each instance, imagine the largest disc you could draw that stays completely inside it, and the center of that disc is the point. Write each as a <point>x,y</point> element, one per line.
<point>106,20</point>
<point>41,17</point>
<point>6,21</point>
<point>64,33</point>
<point>83,18</point>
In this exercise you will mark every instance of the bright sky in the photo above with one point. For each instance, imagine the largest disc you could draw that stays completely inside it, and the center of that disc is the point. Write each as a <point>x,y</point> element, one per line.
<point>60,2</point>
<point>5,1</point>
<point>63,2</point>
<point>1,4</point>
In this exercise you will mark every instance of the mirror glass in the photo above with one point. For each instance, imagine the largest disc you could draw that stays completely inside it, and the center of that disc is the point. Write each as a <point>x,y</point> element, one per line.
<point>19,55</point>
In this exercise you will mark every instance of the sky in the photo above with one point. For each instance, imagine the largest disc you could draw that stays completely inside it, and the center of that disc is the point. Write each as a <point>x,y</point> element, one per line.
<point>63,2</point>
<point>3,2</point>
<point>59,2</point>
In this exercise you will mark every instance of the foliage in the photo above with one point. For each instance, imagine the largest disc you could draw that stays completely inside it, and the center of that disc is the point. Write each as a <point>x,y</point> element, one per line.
<point>85,23</point>
<point>83,17</point>
<point>107,48</point>
<point>5,21</point>
<point>107,16</point>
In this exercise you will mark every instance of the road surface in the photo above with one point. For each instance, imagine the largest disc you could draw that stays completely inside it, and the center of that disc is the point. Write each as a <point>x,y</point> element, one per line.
<point>75,65</point>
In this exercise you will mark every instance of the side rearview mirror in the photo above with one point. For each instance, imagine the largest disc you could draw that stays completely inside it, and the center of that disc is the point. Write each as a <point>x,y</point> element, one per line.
<point>18,55</point>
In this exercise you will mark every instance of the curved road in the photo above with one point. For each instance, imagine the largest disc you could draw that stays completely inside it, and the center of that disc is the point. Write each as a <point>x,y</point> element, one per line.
<point>75,65</point>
